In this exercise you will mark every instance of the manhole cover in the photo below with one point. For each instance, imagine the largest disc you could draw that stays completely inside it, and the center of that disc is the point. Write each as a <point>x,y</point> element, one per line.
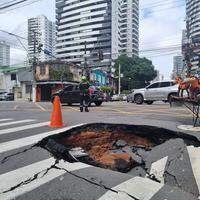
<point>189,128</point>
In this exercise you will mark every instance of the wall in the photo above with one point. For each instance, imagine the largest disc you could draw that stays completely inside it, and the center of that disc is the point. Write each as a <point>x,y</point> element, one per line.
<point>6,83</point>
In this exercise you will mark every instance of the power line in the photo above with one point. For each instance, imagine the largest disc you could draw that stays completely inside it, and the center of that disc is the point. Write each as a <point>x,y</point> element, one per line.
<point>158,2</point>
<point>7,3</point>
<point>12,34</point>
<point>13,4</point>
<point>20,6</point>
<point>161,4</point>
<point>160,10</point>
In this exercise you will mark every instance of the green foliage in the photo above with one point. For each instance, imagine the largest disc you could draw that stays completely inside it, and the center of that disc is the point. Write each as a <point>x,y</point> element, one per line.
<point>106,89</point>
<point>61,75</point>
<point>138,72</point>
<point>125,92</point>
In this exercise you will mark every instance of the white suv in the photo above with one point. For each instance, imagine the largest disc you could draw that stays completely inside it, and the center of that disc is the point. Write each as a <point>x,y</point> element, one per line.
<point>157,91</point>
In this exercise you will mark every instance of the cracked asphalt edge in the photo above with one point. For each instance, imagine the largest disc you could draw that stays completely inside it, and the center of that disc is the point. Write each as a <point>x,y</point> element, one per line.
<point>6,158</point>
<point>53,166</point>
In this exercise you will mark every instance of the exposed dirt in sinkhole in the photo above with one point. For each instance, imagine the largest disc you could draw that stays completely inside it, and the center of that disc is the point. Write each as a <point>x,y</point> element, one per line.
<point>108,148</point>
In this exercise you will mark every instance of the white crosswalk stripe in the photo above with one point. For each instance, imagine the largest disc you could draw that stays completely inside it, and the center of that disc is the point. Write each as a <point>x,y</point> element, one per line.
<point>17,122</point>
<point>3,120</point>
<point>15,144</point>
<point>158,169</point>
<point>21,128</point>
<point>194,154</point>
<point>138,187</point>
<point>17,176</point>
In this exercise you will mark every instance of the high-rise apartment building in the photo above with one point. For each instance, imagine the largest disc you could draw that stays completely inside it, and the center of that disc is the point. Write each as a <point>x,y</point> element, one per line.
<point>4,54</point>
<point>86,27</point>
<point>83,29</point>
<point>193,29</point>
<point>125,27</point>
<point>45,34</point>
<point>178,66</point>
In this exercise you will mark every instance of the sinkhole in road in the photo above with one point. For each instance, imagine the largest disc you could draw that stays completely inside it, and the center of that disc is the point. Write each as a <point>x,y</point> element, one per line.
<point>119,147</point>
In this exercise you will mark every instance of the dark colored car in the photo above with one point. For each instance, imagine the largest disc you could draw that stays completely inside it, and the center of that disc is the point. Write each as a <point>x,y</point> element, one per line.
<point>5,96</point>
<point>71,94</point>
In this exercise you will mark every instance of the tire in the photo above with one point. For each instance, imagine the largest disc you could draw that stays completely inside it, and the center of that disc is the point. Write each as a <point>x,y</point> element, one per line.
<point>98,103</point>
<point>149,102</point>
<point>69,104</point>
<point>169,98</point>
<point>52,99</point>
<point>138,99</point>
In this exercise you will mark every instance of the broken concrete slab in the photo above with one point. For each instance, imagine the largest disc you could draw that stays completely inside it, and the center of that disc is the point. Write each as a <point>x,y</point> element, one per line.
<point>120,143</point>
<point>170,161</point>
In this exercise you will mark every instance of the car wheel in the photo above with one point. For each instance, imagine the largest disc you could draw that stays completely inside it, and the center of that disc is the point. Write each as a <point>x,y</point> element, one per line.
<point>138,99</point>
<point>169,99</point>
<point>149,102</point>
<point>69,104</point>
<point>52,99</point>
<point>98,103</point>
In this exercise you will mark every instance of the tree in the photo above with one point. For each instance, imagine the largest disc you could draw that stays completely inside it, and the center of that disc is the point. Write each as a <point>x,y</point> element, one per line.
<point>137,72</point>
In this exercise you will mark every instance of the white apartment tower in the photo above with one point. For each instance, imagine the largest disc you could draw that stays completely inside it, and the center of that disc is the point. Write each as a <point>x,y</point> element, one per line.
<point>125,27</point>
<point>178,66</point>
<point>45,34</point>
<point>85,27</point>
<point>193,28</point>
<point>4,54</point>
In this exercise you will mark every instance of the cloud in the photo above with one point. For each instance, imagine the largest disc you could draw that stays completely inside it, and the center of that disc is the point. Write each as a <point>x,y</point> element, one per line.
<point>159,26</point>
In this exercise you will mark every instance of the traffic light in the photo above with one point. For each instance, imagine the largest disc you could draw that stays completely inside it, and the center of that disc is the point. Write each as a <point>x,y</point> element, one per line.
<point>100,55</point>
<point>40,48</point>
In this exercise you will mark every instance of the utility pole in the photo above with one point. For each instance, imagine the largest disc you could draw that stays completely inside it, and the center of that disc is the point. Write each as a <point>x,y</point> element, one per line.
<point>119,86</point>
<point>34,67</point>
<point>85,61</point>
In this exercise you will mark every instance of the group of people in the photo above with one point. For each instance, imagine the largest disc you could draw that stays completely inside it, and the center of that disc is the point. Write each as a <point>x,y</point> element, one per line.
<point>191,85</point>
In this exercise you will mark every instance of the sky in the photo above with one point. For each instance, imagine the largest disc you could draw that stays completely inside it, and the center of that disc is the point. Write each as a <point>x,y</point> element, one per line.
<point>161,25</point>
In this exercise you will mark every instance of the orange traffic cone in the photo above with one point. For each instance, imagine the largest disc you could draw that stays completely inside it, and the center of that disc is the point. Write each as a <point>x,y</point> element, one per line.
<point>56,116</point>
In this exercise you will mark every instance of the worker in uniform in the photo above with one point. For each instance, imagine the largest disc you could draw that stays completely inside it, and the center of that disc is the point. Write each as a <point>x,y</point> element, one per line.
<point>84,94</point>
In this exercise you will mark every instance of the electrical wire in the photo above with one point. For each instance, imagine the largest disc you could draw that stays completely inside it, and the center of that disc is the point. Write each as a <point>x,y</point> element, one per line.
<point>20,6</point>
<point>162,4</point>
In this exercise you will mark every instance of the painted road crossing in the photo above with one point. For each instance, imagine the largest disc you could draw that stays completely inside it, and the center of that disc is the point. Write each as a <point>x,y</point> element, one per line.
<point>61,179</point>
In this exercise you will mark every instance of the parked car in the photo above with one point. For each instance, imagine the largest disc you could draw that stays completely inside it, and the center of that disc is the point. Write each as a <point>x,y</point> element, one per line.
<point>6,96</point>
<point>119,97</point>
<point>130,96</point>
<point>71,94</point>
<point>158,91</point>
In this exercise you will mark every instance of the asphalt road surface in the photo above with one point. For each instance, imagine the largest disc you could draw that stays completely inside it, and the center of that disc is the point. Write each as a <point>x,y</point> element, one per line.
<point>30,172</point>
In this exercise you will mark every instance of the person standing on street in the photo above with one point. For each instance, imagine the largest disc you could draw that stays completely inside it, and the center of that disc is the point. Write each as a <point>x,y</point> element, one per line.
<point>84,94</point>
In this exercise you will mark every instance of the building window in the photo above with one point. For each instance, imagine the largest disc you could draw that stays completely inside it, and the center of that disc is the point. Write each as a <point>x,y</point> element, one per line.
<point>28,89</point>
<point>13,77</point>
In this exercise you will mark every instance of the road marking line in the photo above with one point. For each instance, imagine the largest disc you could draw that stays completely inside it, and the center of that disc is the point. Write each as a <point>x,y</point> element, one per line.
<point>17,176</point>
<point>15,144</point>
<point>158,169</point>
<point>194,153</point>
<point>15,108</point>
<point>21,128</point>
<point>74,109</point>
<point>141,188</point>
<point>3,120</point>
<point>41,107</point>
<point>17,122</point>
